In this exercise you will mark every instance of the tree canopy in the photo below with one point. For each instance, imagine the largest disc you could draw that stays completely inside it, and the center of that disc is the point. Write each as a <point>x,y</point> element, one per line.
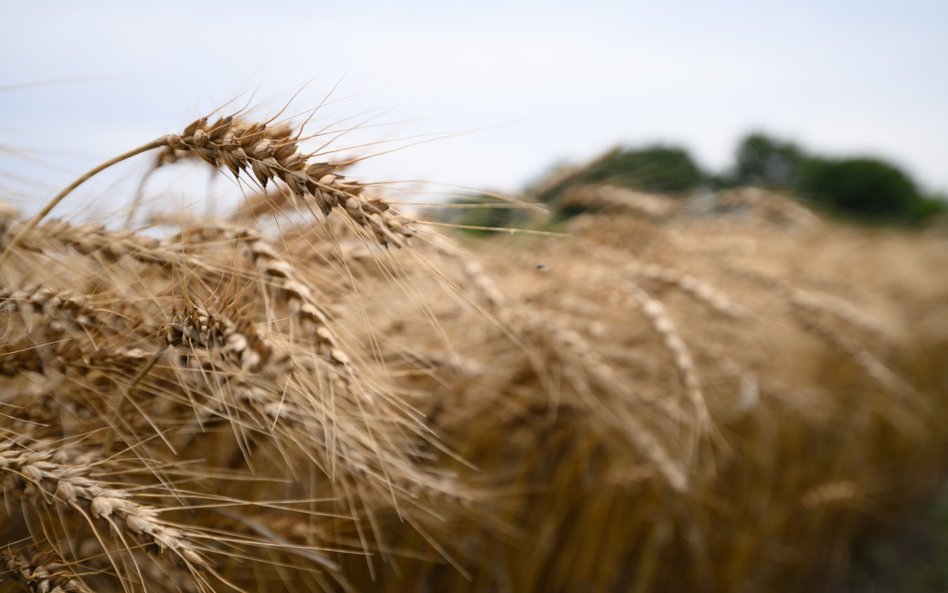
<point>862,187</point>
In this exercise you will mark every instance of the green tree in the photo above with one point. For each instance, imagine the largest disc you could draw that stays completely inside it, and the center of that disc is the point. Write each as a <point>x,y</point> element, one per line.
<point>664,169</point>
<point>656,168</point>
<point>928,206</point>
<point>766,161</point>
<point>866,187</point>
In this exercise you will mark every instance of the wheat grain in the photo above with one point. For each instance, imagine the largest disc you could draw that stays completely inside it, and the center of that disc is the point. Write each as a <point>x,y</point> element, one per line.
<point>662,323</point>
<point>701,291</point>
<point>39,474</point>
<point>40,573</point>
<point>272,152</point>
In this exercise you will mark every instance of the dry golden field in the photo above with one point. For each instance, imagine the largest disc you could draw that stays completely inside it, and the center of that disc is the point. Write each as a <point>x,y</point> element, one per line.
<point>320,393</point>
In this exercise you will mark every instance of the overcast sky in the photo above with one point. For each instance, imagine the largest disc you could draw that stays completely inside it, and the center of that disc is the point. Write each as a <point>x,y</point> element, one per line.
<point>527,83</point>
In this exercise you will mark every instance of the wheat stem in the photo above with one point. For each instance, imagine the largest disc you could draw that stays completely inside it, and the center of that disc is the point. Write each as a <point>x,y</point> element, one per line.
<point>29,226</point>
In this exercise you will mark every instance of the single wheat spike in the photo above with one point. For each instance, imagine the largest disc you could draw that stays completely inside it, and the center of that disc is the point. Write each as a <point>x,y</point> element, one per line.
<point>269,152</point>
<point>700,290</point>
<point>111,245</point>
<point>282,275</point>
<point>272,153</point>
<point>39,573</point>
<point>681,356</point>
<point>870,365</point>
<point>58,311</point>
<point>837,307</point>
<point>39,476</point>
<point>593,377</point>
<point>196,327</point>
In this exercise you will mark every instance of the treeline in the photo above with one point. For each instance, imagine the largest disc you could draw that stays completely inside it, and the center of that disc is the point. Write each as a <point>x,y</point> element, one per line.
<point>864,188</point>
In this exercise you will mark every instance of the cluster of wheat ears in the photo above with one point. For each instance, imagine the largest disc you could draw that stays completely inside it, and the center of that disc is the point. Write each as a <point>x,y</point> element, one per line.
<point>322,394</point>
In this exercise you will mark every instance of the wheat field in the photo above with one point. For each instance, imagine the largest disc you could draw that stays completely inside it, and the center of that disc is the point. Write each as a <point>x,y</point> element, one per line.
<point>320,392</point>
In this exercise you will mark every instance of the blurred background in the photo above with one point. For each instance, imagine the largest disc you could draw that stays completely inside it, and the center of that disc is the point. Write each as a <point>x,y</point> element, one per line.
<point>495,95</point>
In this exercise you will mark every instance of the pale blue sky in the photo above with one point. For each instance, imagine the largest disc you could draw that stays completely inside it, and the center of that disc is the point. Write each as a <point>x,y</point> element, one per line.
<point>537,81</point>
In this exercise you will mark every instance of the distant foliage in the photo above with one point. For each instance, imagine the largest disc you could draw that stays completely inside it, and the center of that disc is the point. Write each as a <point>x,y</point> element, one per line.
<point>863,188</point>
<point>656,168</point>
<point>663,169</point>
<point>764,161</point>
<point>866,188</point>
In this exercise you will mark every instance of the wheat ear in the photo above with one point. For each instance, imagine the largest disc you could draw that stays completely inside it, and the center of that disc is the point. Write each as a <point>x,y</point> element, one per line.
<point>41,478</point>
<point>38,573</point>
<point>270,152</point>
